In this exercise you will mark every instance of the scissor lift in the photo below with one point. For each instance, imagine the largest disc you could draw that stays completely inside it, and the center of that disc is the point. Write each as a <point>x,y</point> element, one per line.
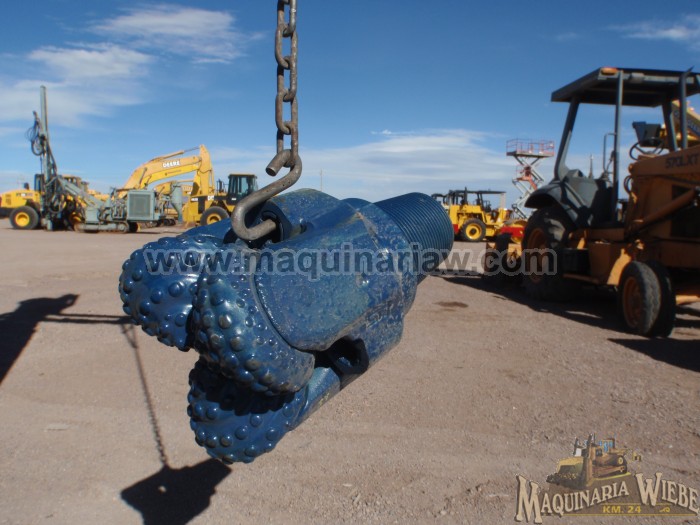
<point>528,153</point>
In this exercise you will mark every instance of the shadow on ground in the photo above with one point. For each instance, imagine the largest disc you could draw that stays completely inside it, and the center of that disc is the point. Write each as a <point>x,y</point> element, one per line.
<point>594,307</point>
<point>683,353</point>
<point>176,496</point>
<point>170,496</point>
<point>597,307</point>
<point>18,327</point>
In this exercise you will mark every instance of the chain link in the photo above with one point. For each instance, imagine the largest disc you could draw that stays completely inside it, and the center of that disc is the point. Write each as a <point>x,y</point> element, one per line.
<point>285,157</point>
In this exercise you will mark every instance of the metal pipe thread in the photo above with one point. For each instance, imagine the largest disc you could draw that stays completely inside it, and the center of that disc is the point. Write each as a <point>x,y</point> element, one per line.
<point>426,226</point>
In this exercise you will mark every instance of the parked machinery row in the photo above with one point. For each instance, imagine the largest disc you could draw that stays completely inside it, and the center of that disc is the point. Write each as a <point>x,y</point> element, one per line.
<point>63,201</point>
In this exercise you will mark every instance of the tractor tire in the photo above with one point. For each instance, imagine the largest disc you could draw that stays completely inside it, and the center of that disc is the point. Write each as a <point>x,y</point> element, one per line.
<point>547,229</point>
<point>24,218</point>
<point>213,214</point>
<point>472,230</point>
<point>639,298</point>
<point>499,267</point>
<point>493,257</point>
<point>663,326</point>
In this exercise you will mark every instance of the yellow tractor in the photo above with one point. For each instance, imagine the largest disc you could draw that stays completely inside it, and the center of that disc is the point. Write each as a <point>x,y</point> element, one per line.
<point>472,215</point>
<point>646,245</point>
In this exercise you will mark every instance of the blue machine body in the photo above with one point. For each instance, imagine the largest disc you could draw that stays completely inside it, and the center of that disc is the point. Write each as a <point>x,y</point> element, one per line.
<point>283,324</point>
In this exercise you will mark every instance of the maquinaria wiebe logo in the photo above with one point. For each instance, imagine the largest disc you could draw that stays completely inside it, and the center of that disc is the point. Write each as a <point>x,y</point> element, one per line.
<point>597,480</point>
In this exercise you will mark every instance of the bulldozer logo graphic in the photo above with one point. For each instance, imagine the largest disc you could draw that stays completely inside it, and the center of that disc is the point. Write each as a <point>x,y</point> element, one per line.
<point>597,480</point>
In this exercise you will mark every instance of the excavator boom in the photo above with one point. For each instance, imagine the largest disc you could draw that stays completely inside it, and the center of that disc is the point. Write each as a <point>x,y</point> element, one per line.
<point>693,120</point>
<point>174,165</point>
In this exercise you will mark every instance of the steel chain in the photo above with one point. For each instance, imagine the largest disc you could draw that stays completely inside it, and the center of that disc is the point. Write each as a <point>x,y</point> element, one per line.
<point>285,157</point>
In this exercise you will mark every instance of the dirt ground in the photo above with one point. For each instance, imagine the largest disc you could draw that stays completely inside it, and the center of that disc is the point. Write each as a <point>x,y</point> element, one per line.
<point>484,386</point>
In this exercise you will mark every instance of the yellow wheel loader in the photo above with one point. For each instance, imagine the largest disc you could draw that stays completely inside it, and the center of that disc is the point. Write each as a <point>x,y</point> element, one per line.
<point>472,215</point>
<point>23,206</point>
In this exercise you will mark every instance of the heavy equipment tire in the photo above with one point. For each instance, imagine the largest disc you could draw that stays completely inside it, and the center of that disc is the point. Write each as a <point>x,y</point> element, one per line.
<point>547,229</point>
<point>639,298</point>
<point>213,214</point>
<point>492,262</point>
<point>24,218</point>
<point>472,230</point>
<point>499,266</point>
<point>667,308</point>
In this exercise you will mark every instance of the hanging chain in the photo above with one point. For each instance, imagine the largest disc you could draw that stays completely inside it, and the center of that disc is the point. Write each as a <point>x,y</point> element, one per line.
<point>285,158</point>
<point>286,94</point>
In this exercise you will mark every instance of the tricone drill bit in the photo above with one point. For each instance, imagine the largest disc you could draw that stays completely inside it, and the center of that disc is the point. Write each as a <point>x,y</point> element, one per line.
<point>283,323</point>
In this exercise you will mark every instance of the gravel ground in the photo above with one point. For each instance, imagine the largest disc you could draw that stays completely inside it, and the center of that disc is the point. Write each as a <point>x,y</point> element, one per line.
<point>485,385</point>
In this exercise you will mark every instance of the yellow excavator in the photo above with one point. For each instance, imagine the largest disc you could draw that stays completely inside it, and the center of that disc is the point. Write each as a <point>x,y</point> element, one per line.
<point>196,200</point>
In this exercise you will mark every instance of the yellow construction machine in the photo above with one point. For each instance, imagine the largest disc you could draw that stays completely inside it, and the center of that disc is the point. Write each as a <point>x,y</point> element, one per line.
<point>23,206</point>
<point>197,200</point>
<point>65,201</point>
<point>593,461</point>
<point>473,217</point>
<point>692,120</point>
<point>646,245</point>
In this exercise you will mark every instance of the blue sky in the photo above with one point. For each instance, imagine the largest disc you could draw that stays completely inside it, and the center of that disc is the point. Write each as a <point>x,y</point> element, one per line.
<point>394,96</point>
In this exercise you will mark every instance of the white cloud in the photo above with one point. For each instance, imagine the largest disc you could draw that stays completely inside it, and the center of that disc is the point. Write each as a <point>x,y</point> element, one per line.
<point>686,31</point>
<point>103,62</point>
<point>85,80</point>
<point>17,100</point>
<point>81,81</point>
<point>69,104</point>
<point>395,163</point>
<point>389,164</point>
<point>202,35</point>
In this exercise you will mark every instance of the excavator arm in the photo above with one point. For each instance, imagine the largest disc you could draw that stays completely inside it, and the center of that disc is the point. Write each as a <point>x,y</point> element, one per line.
<point>692,119</point>
<point>174,165</point>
